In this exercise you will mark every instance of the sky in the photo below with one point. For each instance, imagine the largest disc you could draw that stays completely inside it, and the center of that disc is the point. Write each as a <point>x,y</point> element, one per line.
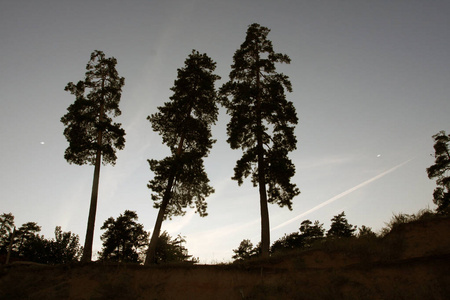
<point>370,86</point>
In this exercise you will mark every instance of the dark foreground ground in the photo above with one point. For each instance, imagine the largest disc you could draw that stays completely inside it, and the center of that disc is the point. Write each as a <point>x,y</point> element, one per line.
<point>411,262</point>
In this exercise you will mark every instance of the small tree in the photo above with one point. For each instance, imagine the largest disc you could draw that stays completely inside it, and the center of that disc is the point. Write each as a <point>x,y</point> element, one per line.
<point>180,180</point>
<point>66,246</point>
<point>25,233</point>
<point>311,233</point>
<point>262,123</point>
<point>124,238</point>
<point>366,232</point>
<point>244,251</point>
<point>340,227</point>
<point>89,128</point>
<point>308,235</point>
<point>441,171</point>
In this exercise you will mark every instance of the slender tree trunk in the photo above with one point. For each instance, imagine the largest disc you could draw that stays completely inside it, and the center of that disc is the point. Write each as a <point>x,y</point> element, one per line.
<point>265,229</point>
<point>87,250</point>
<point>151,252</point>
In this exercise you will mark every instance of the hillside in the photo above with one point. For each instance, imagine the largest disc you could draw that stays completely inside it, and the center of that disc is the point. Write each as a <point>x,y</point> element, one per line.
<point>411,262</point>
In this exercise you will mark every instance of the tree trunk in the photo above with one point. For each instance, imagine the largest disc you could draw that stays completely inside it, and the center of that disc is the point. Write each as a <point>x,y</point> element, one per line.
<point>265,229</point>
<point>151,252</point>
<point>87,250</point>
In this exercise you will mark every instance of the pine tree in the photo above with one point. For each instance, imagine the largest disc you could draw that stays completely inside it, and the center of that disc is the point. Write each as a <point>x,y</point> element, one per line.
<point>311,233</point>
<point>185,126</point>
<point>440,170</point>
<point>123,239</point>
<point>90,131</point>
<point>340,227</point>
<point>262,123</point>
<point>244,251</point>
<point>25,233</point>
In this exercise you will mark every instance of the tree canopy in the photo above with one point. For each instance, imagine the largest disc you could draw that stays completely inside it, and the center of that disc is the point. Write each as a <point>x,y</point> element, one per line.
<point>25,243</point>
<point>124,238</point>
<point>262,122</point>
<point>24,234</point>
<point>97,100</point>
<point>340,227</point>
<point>185,126</point>
<point>300,240</point>
<point>64,248</point>
<point>180,180</point>
<point>245,251</point>
<point>441,171</point>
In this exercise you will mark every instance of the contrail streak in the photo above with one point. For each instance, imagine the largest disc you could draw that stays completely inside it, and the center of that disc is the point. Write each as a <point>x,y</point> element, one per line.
<point>340,195</point>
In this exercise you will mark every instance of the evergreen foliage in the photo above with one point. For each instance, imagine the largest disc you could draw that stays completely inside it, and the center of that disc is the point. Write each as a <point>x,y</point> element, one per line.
<point>185,126</point>
<point>24,234</point>
<point>288,242</point>
<point>340,228</point>
<point>124,238</point>
<point>64,248</point>
<point>366,232</point>
<point>304,239</point>
<point>262,123</point>
<point>180,180</point>
<point>245,251</point>
<point>89,127</point>
<point>441,171</point>
<point>311,233</point>
<point>97,100</point>
<point>171,250</point>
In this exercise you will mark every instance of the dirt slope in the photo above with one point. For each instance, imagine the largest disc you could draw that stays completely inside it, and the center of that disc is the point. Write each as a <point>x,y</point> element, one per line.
<point>412,262</point>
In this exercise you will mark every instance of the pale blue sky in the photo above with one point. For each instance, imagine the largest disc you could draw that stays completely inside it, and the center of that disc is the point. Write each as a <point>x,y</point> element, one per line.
<point>370,78</point>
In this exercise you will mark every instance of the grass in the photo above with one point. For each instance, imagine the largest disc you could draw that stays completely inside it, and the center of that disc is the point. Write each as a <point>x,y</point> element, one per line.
<point>400,219</point>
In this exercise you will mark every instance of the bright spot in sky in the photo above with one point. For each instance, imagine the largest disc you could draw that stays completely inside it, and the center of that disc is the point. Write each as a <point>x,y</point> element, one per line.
<point>42,143</point>
<point>379,155</point>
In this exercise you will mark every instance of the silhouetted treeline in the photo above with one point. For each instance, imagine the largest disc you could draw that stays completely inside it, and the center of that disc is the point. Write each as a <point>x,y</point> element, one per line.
<point>25,243</point>
<point>309,234</point>
<point>341,233</point>
<point>124,240</point>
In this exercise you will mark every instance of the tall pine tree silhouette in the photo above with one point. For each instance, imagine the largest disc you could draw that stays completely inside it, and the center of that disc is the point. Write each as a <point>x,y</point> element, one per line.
<point>89,127</point>
<point>185,126</point>
<point>262,123</point>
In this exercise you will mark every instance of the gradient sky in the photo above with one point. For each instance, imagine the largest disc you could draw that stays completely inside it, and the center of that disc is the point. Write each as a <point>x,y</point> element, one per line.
<point>371,85</point>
